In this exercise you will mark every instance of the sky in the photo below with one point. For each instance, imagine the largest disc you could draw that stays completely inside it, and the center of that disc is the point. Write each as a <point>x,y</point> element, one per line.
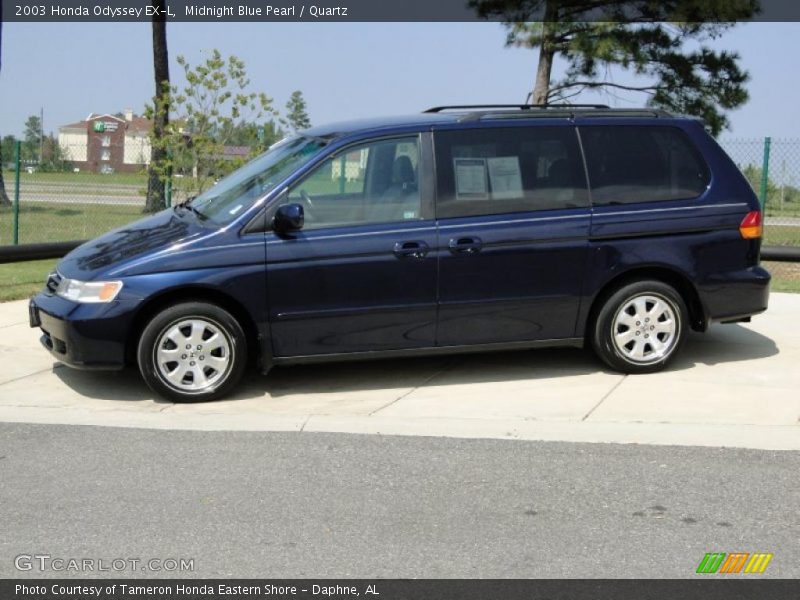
<point>345,70</point>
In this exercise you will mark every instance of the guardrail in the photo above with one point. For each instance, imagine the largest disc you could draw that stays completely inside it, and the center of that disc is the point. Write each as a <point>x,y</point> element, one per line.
<point>781,253</point>
<point>25,252</point>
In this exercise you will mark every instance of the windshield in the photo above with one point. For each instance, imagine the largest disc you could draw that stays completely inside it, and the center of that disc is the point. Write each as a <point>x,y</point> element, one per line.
<point>238,191</point>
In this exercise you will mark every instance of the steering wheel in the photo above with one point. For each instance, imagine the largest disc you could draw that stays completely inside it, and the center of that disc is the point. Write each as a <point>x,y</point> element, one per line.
<point>308,205</point>
<point>307,199</point>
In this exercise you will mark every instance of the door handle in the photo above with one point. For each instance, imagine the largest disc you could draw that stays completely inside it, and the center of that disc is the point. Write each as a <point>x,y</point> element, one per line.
<point>465,245</point>
<point>411,249</point>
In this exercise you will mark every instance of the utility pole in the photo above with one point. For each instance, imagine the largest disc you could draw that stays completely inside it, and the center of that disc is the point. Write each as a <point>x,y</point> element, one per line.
<point>41,136</point>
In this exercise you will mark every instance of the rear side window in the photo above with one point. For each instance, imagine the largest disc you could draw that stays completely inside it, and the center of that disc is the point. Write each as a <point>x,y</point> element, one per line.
<point>630,164</point>
<point>506,170</point>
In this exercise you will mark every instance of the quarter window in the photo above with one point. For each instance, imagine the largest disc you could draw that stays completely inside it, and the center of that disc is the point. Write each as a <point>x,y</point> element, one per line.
<point>506,170</point>
<point>629,163</point>
<point>372,183</point>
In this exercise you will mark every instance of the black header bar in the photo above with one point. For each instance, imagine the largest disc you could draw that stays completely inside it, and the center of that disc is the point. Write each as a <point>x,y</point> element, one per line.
<point>370,10</point>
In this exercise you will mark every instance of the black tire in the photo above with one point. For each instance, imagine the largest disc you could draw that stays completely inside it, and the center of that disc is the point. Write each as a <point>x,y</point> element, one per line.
<point>220,367</point>
<point>609,324</point>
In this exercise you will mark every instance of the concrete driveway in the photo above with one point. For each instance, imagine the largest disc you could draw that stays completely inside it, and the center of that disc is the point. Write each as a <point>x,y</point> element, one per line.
<point>736,385</point>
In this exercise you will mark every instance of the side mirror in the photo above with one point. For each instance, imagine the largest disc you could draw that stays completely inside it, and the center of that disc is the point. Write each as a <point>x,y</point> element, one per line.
<point>289,217</point>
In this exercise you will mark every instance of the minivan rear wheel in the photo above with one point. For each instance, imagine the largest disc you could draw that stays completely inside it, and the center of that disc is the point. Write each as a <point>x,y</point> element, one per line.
<point>192,352</point>
<point>640,327</point>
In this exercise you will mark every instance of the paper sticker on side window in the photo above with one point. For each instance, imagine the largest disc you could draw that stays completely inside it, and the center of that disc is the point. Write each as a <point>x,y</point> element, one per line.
<point>471,181</point>
<point>505,177</point>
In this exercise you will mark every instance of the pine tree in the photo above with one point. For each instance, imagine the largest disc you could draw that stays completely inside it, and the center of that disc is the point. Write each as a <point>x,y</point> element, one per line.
<point>297,117</point>
<point>663,43</point>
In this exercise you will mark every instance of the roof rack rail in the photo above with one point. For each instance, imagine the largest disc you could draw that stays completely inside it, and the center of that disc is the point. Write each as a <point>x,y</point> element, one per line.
<point>437,109</point>
<point>570,114</point>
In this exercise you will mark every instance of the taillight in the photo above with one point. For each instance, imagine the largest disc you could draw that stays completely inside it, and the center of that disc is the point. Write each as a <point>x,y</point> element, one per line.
<point>751,227</point>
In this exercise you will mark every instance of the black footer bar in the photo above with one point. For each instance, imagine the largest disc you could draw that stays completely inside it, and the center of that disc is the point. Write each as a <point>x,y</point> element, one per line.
<point>702,588</point>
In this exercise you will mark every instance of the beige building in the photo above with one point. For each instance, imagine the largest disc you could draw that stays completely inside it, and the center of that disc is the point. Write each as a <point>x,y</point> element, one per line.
<point>107,143</point>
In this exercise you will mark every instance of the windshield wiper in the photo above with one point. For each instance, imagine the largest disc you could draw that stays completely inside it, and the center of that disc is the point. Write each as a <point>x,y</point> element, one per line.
<point>188,205</point>
<point>202,215</point>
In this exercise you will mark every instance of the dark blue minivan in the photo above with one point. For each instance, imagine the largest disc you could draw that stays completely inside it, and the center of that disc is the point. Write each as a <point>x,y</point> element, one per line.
<point>459,229</point>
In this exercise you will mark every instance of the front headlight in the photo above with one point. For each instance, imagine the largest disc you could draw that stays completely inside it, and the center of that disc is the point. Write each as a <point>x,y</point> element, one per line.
<point>88,291</point>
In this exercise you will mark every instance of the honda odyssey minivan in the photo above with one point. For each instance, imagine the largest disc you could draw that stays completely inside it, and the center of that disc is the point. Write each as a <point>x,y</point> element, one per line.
<point>466,228</point>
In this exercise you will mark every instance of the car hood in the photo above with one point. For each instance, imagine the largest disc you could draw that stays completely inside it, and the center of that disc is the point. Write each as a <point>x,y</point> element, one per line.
<point>129,242</point>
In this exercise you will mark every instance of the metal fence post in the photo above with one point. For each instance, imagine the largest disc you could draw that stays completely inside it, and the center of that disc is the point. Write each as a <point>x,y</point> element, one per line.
<point>168,193</point>
<point>765,174</point>
<point>17,148</point>
<point>343,174</point>
<point>168,183</point>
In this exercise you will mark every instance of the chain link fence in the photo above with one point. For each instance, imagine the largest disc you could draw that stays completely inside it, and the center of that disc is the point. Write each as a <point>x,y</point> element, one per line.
<point>86,187</point>
<point>772,166</point>
<point>86,190</point>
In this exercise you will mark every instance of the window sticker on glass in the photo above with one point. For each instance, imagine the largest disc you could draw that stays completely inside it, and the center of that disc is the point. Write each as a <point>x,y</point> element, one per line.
<point>471,181</point>
<point>505,177</point>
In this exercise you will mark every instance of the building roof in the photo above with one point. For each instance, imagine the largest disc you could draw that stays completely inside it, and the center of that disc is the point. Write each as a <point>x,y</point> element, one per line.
<point>139,124</point>
<point>135,125</point>
<point>79,125</point>
<point>94,117</point>
<point>233,151</point>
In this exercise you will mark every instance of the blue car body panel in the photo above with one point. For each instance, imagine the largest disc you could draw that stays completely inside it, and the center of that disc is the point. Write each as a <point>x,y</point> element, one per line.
<point>345,290</point>
<point>353,291</point>
<point>511,290</point>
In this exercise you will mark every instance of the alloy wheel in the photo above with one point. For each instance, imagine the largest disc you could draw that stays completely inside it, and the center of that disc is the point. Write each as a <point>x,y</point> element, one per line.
<point>645,328</point>
<point>193,355</point>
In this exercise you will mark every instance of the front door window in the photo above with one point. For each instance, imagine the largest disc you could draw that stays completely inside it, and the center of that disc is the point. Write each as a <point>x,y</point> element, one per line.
<point>372,183</point>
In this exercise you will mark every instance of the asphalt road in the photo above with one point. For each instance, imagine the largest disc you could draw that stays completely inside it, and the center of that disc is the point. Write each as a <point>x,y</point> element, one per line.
<point>260,504</point>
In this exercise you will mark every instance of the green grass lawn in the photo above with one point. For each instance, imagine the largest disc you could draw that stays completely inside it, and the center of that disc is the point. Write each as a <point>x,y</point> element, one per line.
<point>21,280</point>
<point>71,179</point>
<point>785,276</point>
<point>54,222</point>
<point>788,209</point>
<point>781,235</point>
<point>782,284</point>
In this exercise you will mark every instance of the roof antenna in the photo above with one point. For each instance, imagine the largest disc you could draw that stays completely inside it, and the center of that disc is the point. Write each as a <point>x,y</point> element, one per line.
<point>528,97</point>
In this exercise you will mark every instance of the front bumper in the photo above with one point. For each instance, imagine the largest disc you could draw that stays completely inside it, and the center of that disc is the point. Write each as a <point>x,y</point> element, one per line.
<point>74,337</point>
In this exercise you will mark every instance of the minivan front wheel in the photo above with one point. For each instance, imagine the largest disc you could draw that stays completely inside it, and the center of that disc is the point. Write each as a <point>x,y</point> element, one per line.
<point>192,352</point>
<point>640,327</point>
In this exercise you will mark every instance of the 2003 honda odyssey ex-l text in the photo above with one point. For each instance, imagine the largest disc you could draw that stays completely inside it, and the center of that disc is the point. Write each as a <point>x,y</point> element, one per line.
<point>458,229</point>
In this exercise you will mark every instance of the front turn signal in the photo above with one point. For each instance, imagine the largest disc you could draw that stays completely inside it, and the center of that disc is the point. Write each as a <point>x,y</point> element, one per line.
<point>752,227</point>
